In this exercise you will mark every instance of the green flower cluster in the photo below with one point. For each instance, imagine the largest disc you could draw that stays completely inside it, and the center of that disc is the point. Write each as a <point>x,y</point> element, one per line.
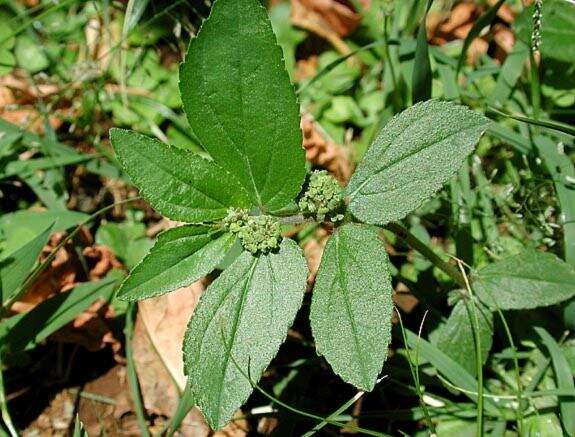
<point>258,234</point>
<point>324,196</point>
<point>235,220</point>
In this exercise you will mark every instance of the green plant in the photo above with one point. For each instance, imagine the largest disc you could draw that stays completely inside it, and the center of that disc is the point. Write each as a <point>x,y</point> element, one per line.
<point>243,109</point>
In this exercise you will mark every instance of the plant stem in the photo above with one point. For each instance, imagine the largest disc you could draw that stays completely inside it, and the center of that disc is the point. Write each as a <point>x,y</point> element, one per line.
<point>4,404</point>
<point>427,252</point>
<point>185,404</point>
<point>133,383</point>
<point>472,313</point>
<point>519,392</point>
<point>414,369</point>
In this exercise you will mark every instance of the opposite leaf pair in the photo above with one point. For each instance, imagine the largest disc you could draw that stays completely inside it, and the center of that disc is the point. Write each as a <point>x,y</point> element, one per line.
<point>241,105</point>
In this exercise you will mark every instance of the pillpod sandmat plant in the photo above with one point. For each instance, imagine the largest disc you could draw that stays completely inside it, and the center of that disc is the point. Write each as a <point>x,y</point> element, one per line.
<point>242,107</point>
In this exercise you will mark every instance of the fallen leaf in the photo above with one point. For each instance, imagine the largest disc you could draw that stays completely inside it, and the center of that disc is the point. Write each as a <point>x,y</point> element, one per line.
<point>306,68</point>
<point>313,251</point>
<point>101,261</point>
<point>324,153</point>
<point>504,40</point>
<point>158,339</point>
<point>326,18</point>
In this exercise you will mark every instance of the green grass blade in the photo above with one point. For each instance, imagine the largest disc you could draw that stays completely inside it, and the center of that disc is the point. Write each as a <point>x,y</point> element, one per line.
<point>333,416</point>
<point>509,74</point>
<point>15,268</point>
<point>79,430</point>
<point>24,331</point>
<point>563,377</point>
<point>421,77</point>
<point>456,374</point>
<point>41,267</point>
<point>555,125</point>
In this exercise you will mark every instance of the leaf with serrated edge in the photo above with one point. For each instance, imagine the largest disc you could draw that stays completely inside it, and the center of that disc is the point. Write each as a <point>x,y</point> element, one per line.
<point>240,102</point>
<point>240,321</point>
<point>351,305</point>
<point>180,257</point>
<point>411,158</point>
<point>527,280</point>
<point>178,184</point>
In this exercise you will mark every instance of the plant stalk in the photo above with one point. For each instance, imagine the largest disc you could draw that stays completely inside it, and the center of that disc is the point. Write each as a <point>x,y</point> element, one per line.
<point>427,252</point>
<point>4,404</point>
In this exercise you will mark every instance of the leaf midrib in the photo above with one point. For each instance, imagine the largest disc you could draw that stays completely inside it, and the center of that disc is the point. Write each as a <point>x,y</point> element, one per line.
<point>343,284</point>
<point>233,333</point>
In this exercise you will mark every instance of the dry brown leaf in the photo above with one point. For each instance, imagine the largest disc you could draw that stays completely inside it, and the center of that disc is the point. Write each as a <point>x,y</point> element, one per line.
<point>158,390</point>
<point>306,68</point>
<point>161,326</point>
<point>29,118</point>
<point>462,13</point>
<point>6,96</point>
<point>324,153</point>
<point>505,12</point>
<point>165,319</point>
<point>313,251</point>
<point>338,15</point>
<point>59,276</point>
<point>504,41</point>
<point>92,329</point>
<point>101,259</point>
<point>325,18</point>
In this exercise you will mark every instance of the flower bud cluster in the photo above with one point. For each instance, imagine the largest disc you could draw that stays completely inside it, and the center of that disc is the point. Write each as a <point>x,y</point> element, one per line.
<point>258,234</point>
<point>324,197</point>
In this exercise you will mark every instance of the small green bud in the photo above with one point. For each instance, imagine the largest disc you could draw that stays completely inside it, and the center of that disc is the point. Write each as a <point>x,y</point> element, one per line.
<point>260,234</point>
<point>324,196</point>
<point>235,220</point>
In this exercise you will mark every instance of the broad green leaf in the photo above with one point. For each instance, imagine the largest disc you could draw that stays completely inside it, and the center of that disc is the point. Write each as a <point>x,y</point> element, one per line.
<point>239,323</point>
<point>21,227</point>
<point>30,55</point>
<point>23,331</point>
<point>240,102</point>
<point>455,338</point>
<point>530,279</point>
<point>180,257</point>
<point>563,377</point>
<point>557,31</point>
<point>15,268</point>
<point>411,158</point>
<point>180,185</point>
<point>352,305</point>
